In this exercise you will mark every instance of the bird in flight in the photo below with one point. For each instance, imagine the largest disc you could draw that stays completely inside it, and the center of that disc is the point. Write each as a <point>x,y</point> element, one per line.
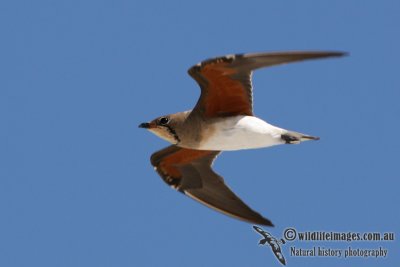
<point>273,242</point>
<point>221,120</point>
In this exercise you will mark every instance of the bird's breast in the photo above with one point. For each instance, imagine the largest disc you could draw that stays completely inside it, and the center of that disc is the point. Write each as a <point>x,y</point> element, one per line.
<point>240,132</point>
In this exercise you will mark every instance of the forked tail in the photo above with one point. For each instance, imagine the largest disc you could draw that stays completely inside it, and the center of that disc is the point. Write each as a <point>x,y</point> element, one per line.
<point>297,138</point>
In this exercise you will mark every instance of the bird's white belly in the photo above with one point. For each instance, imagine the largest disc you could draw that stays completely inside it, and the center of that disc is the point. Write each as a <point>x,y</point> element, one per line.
<point>242,132</point>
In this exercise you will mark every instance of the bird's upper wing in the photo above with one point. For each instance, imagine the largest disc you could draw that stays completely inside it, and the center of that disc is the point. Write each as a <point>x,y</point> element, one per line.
<point>225,82</point>
<point>189,171</point>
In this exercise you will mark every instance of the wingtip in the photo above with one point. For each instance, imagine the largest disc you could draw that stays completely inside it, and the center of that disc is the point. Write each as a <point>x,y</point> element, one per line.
<point>269,223</point>
<point>340,54</point>
<point>265,222</point>
<point>323,54</point>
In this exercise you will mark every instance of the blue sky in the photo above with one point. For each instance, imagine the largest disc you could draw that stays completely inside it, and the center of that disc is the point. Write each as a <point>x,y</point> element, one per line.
<point>77,77</point>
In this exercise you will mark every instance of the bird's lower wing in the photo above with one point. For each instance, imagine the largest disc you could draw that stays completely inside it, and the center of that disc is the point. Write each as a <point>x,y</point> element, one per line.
<point>189,171</point>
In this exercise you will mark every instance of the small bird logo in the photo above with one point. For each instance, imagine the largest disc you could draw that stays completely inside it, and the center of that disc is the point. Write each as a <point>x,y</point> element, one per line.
<point>273,242</point>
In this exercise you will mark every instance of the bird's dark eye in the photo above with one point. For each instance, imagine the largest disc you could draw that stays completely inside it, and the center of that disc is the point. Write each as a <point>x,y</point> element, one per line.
<point>163,120</point>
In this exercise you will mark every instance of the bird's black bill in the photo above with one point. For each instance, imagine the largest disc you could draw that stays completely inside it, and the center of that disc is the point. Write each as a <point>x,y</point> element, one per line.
<point>144,125</point>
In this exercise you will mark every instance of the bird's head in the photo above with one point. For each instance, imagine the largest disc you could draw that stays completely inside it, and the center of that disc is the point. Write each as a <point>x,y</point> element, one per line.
<point>166,127</point>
